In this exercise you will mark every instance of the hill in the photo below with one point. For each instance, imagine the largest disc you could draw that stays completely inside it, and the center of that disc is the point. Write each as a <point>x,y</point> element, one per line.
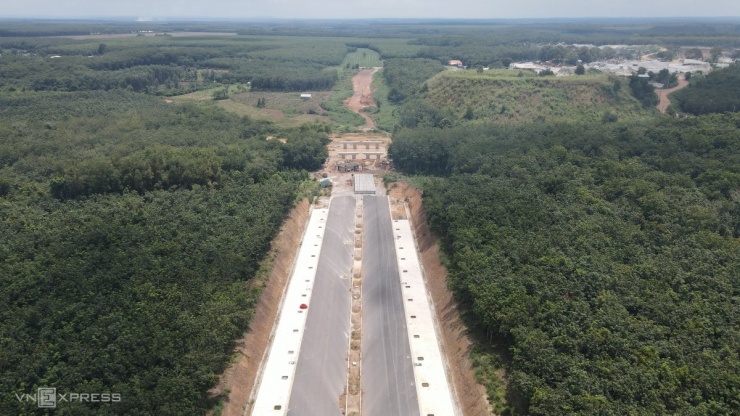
<point>518,96</point>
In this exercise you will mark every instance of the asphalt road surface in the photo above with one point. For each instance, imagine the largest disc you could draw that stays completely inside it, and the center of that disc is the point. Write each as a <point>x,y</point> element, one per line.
<point>387,373</point>
<point>321,372</point>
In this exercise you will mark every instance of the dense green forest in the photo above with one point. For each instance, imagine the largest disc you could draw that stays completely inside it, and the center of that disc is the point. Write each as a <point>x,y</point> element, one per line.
<point>643,91</point>
<point>169,65</point>
<point>717,92</point>
<point>405,77</point>
<point>133,228</point>
<point>604,259</point>
<point>131,232</point>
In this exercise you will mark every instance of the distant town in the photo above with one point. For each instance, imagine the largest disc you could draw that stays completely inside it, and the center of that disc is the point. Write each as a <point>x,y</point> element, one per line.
<point>624,60</point>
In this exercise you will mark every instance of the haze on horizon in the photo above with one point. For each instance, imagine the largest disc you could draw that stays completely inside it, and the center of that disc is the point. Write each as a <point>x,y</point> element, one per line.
<point>364,9</point>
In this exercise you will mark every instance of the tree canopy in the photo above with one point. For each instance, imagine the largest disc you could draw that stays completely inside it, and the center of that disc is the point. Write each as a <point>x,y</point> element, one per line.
<point>132,233</point>
<point>717,92</point>
<point>602,258</point>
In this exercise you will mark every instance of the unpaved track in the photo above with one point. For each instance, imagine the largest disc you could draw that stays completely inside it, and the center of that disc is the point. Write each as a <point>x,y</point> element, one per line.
<point>663,94</point>
<point>363,95</point>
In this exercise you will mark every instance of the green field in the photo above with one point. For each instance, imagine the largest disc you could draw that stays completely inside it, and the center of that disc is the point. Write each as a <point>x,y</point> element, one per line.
<point>283,109</point>
<point>363,58</point>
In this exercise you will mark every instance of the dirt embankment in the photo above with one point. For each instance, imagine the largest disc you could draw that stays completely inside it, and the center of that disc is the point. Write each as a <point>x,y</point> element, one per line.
<point>238,380</point>
<point>663,94</point>
<point>455,341</point>
<point>362,96</point>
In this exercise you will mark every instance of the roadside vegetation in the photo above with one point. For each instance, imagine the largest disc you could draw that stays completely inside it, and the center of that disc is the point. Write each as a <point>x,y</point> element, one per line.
<point>406,77</point>
<point>385,113</point>
<point>572,238</point>
<point>569,214</point>
<point>357,58</point>
<point>339,114</point>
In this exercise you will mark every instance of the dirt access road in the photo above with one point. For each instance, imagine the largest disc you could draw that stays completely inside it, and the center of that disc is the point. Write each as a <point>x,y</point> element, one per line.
<point>362,96</point>
<point>663,94</point>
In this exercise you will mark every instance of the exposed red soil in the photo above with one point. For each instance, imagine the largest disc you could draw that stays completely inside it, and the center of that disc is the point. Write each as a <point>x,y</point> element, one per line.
<point>363,95</point>
<point>663,94</point>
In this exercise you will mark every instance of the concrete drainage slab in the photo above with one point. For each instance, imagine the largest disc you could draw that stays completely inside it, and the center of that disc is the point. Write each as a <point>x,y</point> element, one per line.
<point>278,372</point>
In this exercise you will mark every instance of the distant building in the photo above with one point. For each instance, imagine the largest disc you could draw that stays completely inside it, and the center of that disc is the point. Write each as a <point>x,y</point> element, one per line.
<point>455,62</point>
<point>306,96</point>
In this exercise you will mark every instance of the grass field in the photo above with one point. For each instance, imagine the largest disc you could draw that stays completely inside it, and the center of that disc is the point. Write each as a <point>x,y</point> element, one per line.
<point>207,94</point>
<point>362,57</point>
<point>285,109</point>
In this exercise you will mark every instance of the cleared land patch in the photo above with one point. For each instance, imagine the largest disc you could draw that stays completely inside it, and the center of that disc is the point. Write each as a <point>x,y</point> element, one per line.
<point>665,101</point>
<point>285,109</point>
<point>363,96</point>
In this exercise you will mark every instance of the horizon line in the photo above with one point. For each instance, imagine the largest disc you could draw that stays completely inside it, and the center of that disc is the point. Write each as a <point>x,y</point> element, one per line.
<point>165,19</point>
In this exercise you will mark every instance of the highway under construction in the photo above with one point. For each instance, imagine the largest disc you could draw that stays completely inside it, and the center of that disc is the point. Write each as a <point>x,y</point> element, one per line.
<point>356,275</point>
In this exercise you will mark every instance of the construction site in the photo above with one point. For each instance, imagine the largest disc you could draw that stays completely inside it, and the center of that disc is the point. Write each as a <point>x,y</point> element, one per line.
<point>357,329</point>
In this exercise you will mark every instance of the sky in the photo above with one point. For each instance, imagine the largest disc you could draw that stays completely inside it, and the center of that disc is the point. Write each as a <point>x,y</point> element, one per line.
<point>330,9</point>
